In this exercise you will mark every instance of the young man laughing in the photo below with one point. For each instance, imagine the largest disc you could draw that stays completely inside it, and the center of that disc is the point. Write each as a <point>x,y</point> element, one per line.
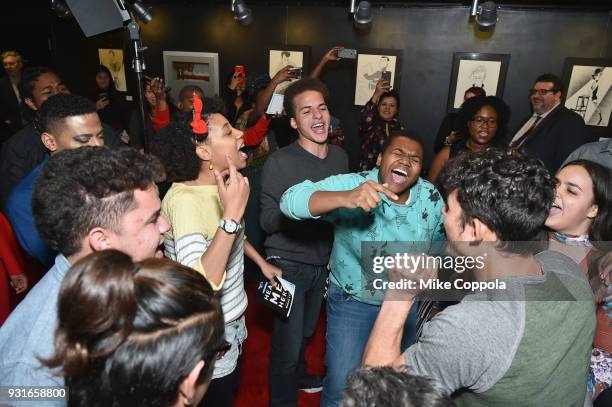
<point>389,203</point>
<point>301,249</point>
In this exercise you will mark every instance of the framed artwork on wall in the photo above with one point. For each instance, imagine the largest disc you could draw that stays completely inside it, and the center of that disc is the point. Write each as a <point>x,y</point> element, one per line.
<point>297,56</point>
<point>589,89</point>
<point>113,60</point>
<point>370,66</point>
<point>191,68</point>
<point>473,69</point>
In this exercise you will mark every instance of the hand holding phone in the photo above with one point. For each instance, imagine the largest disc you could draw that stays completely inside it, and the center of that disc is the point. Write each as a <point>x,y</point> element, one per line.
<point>296,73</point>
<point>239,74</point>
<point>385,76</point>
<point>347,53</point>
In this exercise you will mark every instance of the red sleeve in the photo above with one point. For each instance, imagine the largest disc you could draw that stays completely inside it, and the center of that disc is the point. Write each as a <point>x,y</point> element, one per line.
<point>254,135</point>
<point>160,119</point>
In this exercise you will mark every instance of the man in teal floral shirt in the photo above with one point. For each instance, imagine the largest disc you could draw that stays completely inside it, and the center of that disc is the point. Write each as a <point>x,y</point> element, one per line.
<point>389,203</point>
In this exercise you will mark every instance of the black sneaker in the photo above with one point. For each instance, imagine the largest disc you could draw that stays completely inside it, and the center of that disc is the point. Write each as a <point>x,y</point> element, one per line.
<point>310,383</point>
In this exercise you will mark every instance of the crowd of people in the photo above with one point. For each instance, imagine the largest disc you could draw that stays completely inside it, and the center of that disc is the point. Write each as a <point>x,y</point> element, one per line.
<point>144,236</point>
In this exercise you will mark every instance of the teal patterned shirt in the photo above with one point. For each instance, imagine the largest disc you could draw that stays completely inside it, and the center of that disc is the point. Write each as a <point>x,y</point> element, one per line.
<point>420,219</point>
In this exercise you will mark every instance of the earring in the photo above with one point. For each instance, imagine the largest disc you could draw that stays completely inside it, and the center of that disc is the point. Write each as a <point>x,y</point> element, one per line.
<point>210,167</point>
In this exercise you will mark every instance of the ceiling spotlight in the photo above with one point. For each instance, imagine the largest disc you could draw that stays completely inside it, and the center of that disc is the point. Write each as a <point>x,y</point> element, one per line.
<point>486,15</point>
<point>144,13</point>
<point>60,8</point>
<point>242,13</point>
<point>362,15</point>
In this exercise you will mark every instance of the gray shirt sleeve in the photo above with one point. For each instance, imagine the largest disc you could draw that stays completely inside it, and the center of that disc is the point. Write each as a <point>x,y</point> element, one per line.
<point>469,345</point>
<point>271,219</point>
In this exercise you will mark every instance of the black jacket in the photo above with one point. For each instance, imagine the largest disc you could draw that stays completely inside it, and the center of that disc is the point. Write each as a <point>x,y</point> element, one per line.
<point>9,110</point>
<point>555,137</point>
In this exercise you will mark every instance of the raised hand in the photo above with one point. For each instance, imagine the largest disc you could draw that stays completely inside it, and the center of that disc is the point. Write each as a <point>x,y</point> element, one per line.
<point>367,195</point>
<point>332,54</point>
<point>157,87</point>
<point>234,193</point>
<point>102,103</point>
<point>283,75</point>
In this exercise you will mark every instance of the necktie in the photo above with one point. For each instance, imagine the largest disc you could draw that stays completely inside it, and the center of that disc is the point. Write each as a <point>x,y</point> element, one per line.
<point>519,141</point>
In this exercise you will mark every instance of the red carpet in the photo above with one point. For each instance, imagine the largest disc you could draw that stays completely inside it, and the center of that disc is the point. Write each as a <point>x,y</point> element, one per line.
<point>253,389</point>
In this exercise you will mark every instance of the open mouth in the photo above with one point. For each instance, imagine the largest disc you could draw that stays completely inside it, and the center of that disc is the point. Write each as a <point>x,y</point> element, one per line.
<point>318,128</point>
<point>555,209</point>
<point>244,151</point>
<point>399,176</point>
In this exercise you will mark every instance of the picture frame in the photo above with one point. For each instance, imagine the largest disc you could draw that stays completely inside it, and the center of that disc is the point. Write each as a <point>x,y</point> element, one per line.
<point>588,90</point>
<point>484,70</point>
<point>113,60</point>
<point>370,64</point>
<point>280,56</point>
<point>182,68</point>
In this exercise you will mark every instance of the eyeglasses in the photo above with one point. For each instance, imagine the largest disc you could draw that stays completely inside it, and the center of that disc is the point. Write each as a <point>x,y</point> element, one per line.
<point>542,92</point>
<point>479,121</point>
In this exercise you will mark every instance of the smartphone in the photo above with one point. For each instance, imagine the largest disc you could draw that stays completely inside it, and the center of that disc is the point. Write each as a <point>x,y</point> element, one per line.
<point>239,70</point>
<point>386,76</point>
<point>103,95</point>
<point>347,53</point>
<point>296,73</point>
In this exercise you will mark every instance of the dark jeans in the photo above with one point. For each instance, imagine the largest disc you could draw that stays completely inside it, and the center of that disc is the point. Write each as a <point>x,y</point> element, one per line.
<point>287,363</point>
<point>222,390</point>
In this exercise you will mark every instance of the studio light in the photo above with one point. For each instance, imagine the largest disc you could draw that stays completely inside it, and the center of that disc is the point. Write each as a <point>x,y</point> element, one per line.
<point>362,15</point>
<point>486,15</point>
<point>242,13</point>
<point>144,13</point>
<point>60,8</point>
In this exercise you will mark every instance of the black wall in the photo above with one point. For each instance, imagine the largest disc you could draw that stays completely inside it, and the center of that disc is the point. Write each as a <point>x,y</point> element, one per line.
<point>537,40</point>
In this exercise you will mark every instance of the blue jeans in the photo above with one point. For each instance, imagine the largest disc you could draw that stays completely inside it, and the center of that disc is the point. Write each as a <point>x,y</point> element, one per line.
<point>349,323</point>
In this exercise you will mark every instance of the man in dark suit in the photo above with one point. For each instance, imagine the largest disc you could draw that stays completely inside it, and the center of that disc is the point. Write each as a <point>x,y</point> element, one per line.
<point>553,131</point>
<point>10,116</point>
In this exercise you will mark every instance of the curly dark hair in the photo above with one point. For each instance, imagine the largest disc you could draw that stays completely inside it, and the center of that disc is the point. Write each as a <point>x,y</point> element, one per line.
<point>391,386</point>
<point>58,107</point>
<point>299,87</point>
<point>509,192</point>
<point>601,228</point>
<point>88,187</point>
<point>26,87</point>
<point>28,79</point>
<point>175,143</point>
<point>175,148</point>
<point>471,106</point>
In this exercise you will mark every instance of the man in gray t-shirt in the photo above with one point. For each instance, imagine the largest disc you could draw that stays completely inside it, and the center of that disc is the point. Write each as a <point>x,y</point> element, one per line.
<point>526,343</point>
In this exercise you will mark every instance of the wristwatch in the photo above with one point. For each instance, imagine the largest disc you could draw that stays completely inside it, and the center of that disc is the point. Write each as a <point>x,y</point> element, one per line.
<point>230,226</point>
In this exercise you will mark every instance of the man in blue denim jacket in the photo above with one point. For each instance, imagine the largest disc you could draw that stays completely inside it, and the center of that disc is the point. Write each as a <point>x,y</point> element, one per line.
<point>390,203</point>
<point>85,200</point>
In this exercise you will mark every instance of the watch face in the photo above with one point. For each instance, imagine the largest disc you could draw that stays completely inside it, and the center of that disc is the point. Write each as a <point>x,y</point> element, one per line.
<point>229,225</point>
